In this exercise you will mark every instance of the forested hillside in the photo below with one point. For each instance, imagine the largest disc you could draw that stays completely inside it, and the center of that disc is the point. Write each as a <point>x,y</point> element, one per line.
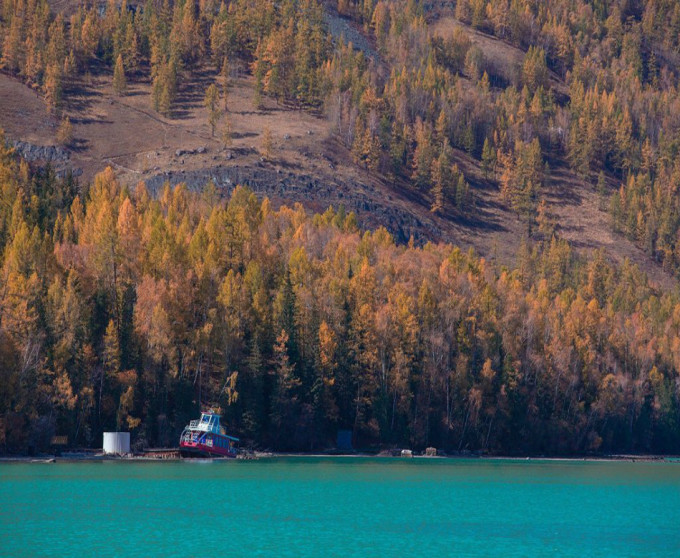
<point>595,88</point>
<point>119,309</point>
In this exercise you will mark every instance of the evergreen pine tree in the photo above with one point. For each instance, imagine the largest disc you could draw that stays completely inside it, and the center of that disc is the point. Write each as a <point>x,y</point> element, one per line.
<point>12,46</point>
<point>488,158</point>
<point>211,102</point>
<point>119,81</point>
<point>65,132</point>
<point>267,143</point>
<point>52,87</point>
<point>462,192</point>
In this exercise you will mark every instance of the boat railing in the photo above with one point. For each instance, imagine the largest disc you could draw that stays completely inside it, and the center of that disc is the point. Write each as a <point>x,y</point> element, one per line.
<point>193,424</point>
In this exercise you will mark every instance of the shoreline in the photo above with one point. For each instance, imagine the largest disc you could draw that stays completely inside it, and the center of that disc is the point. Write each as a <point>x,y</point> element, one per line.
<point>77,457</point>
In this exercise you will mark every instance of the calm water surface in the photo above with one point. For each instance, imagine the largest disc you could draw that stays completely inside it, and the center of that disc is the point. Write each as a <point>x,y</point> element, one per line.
<point>341,507</point>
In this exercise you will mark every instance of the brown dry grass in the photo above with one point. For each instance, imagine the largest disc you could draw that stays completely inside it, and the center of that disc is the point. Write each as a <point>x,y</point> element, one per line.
<point>23,114</point>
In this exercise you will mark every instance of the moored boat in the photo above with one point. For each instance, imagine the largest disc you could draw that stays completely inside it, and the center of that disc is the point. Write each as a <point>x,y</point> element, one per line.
<point>205,437</point>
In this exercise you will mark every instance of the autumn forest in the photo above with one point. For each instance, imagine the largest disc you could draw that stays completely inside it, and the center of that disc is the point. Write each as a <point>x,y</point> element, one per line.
<point>123,308</point>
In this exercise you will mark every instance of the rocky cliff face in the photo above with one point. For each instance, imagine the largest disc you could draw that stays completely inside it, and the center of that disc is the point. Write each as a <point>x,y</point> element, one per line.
<point>58,157</point>
<point>315,194</point>
<point>46,153</point>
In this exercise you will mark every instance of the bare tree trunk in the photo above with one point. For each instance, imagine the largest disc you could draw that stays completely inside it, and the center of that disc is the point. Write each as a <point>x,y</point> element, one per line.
<point>394,405</point>
<point>448,403</point>
<point>488,433</point>
<point>465,423</point>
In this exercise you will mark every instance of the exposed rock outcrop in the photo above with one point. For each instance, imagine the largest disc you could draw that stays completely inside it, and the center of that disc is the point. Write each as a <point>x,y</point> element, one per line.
<point>46,153</point>
<point>313,193</point>
<point>58,157</point>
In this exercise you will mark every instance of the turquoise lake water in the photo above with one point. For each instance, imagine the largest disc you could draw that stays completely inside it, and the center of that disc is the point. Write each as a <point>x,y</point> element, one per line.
<point>341,507</point>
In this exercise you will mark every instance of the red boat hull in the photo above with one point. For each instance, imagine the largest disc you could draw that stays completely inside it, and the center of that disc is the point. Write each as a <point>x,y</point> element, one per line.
<point>201,448</point>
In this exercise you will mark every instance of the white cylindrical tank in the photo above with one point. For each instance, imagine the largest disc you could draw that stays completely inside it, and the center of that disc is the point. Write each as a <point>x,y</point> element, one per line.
<point>116,442</point>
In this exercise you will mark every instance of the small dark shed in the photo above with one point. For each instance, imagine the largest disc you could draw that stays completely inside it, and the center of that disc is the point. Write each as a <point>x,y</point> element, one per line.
<point>344,442</point>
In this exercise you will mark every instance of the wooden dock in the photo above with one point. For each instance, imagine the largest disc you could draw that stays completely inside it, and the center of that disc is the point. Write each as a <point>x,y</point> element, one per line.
<point>161,453</point>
